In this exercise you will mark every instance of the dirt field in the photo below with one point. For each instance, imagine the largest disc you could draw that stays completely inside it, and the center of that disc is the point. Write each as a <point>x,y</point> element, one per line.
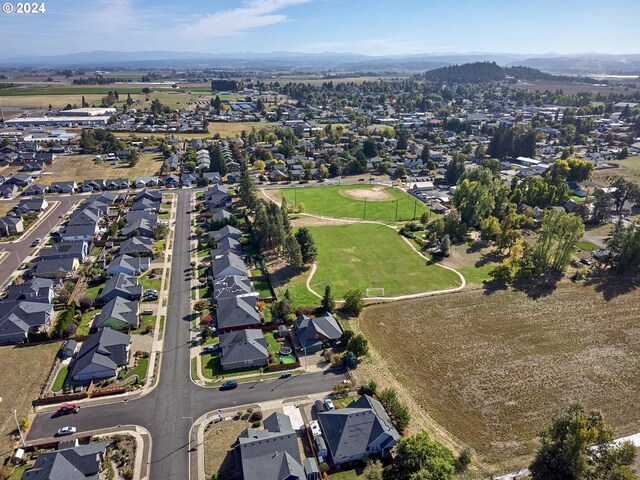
<point>5,207</point>
<point>377,193</point>
<point>569,88</point>
<point>218,456</point>
<point>17,391</point>
<point>84,167</point>
<point>493,368</point>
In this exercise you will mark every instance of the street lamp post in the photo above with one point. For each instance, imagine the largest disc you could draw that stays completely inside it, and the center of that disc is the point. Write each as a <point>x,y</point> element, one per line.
<point>15,415</point>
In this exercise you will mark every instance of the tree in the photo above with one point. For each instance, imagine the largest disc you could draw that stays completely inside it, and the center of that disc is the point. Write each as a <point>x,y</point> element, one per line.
<point>259,165</point>
<point>218,163</point>
<point>373,471</point>
<point>419,457</point>
<point>489,229</point>
<point>370,148</point>
<point>353,302</point>
<point>455,169</point>
<point>625,190</point>
<point>624,248</point>
<point>248,190</point>
<point>292,252</point>
<point>425,154</point>
<point>601,207</point>
<point>328,303</point>
<point>160,231</point>
<point>578,445</point>
<point>307,245</point>
<point>359,345</point>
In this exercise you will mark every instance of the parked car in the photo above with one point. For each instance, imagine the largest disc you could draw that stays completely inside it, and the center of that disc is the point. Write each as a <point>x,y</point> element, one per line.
<point>315,428</point>
<point>147,311</point>
<point>285,375</point>
<point>586,261</point>
<point>329,404</point>
<point>36,242</point>
<point>66,410</point>
<point>229,385</point>
<point>66,431</point>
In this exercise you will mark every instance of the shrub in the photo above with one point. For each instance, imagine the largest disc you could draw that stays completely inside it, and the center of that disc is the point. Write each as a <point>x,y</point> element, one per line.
<point>369,388</point>
<point>464,459</point>
<point>256,424</point>
<point>257,415</point>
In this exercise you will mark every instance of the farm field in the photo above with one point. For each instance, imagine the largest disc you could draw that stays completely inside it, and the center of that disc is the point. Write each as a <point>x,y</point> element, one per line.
<point>364,255</point>
<point>348,201</point>
<point>18,391</point>
<point>83,167</point>
<point>628,168</point>
<point>493,368</point>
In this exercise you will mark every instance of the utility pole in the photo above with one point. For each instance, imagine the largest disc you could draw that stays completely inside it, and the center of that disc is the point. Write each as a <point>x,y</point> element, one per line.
<point>15,415</point>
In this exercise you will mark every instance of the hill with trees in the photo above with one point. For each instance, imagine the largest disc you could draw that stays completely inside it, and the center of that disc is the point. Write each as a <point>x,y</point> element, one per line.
<point>482,72</point>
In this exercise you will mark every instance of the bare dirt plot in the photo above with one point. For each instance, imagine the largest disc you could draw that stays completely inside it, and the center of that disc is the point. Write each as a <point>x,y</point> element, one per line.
<point>492,369</point>
<point>43,101</point>
<point>5,207</point>
<point>377,193</point>
<point>84,167</point>
<point>218,452</point>
<point>23,372</point>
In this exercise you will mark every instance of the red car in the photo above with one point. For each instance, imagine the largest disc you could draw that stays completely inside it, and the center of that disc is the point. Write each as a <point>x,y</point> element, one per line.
<point>66,409</point>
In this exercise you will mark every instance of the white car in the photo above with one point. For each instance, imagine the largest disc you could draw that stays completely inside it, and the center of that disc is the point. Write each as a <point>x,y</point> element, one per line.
<point>66,431</point>
<point>315,428</point>
<point>329,404</point>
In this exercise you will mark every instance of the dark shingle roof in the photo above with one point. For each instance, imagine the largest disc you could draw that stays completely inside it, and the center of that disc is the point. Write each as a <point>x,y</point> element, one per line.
<point>77,463</point>
<point>237,312</point>
<point>120,309</point>
<point>243,345</point>
<point>312,330</point>
<point>106,349</point>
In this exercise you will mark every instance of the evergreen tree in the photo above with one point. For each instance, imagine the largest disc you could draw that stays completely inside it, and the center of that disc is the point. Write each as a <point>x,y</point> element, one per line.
<point>307,245</point>
<point>328,303</point>
<point>292,253</point>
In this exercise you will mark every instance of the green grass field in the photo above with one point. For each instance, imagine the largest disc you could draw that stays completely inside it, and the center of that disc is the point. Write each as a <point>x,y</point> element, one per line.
<point>348,201</point>
<point>367,256</point>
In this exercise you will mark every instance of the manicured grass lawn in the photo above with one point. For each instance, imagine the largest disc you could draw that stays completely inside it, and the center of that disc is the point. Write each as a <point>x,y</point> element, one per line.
<point>476,275</point>
<point>159,247</point>
<point>94,291</point>
<point>83,327</point>
<point>587,246</point>
<point>148,283</point>
<point>164,214</point>
<point>336,201</point>
<point>347,475</point>
<point>199,194</point>
<point>144,321</point>
<point>18,472</point>
<point>60,378</point>
<point>492,368</point>
<point>204,291</point>
<point>262,287</point>
<point>140,370</point>
<point>273,346</point>
<point>212,369</point>
<point>369,256</point>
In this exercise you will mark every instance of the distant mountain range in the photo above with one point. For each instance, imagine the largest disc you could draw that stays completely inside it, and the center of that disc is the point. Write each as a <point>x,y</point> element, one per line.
<point>587,64</point>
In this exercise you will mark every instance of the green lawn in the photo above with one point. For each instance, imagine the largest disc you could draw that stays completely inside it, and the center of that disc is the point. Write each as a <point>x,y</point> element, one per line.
<point>587,246</point>
<point>83,327</point>
<point>477,275</point>
<point>144,321</point>
<point>93,292</point>
<point>335,201</point>
<point>153,283</point>
<point>273,346</point>
<point>367,256</point>
<point>346,475</point>
<point>212,369</point>
<point>60,378</point>
<point>140,370</point>
<point>18,472</point>
<point>164,214</point>
<point>262,287</point>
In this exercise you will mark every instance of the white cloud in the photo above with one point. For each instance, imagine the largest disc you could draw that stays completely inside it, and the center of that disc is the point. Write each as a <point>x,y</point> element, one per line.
<point>252,14</point>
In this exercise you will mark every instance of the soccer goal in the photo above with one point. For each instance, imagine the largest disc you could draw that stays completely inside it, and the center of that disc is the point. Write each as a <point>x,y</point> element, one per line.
<point>375,292</point>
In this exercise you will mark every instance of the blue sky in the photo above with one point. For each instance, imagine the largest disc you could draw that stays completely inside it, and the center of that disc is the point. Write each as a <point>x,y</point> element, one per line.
<point>373,27</point>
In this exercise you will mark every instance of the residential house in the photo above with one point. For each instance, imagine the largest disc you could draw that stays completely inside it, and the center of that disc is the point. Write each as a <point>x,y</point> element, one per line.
<point>172,181</point>
<point>232,286</point>
<point>145,204</point>
<point>55,268</point>
<point>243,348</point>
<point>363,429</point>
<point>8,190</point>
<point>217,197</point>
<point>235,313</point>
<point>20,180</point>
<point>11,226</point>
<point>272,453</point>
<point>128,265</point>
<point>137,246</point>
<point>188,179</point>
<point>80,462</point>
<point>229,264</point>
<point>93,186</point>
<point>212,178</point>
<point>45,157</point>
<point>141,226</point>
<point>119,314</point>
<point>63,187</point>
<point>153,195</point>
<point>121,285</point>
<point>226,245</point>
<point>117,184</point>
<point>222,216</point>
<point>35,189</point>
<point>313,333</point>
<point>101,356</point>
<point>19,318</point>
<point>224,232</point>
<point>33,290</point>
<point>64,249</point>
<point>142,182</point>
<point>28,205</point>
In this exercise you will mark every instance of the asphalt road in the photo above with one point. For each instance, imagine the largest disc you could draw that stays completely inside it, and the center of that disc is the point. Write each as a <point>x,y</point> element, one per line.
<point>171,408</point>
<point>18,251</point>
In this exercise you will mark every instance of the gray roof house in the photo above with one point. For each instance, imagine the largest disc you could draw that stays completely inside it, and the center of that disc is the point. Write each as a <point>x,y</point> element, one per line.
<point>224,232</point>
<point>226,245</point>
<point>147,181</point>
<point>128,264</point>
<point>361,429</point>
<point>63,187</point>
<point>145,204</point>
<point>121,285</point>
<point>55,267</point>
<point>140,246</point>
<point>232,286</point>
<point>80,462</point>
<point>119,314</point>
<point>19,318</point>
<point>153,195</point>
<point>65,249</point>
<point>35,189</point>
<point>236,313</point>
<point>312,333</point>
<point>229,264</point>
<point>143,226</point>
<point>243,348</point>
<point>100,356</point>
<point>26,205</point>
<point>217,197</point>
<point>11,226</point>
<point>79,233</point>
<point>272,453</point>
<point>33,290</point>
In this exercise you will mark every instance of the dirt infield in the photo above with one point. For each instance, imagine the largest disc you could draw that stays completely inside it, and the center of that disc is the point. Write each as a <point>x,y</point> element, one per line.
<point>376,194</point>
